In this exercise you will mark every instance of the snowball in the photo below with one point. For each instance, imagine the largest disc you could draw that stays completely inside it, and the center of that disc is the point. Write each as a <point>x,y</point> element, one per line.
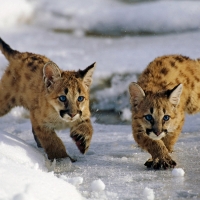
<point>97,185</point>
<point>178,172</point>
<point>148,193</point>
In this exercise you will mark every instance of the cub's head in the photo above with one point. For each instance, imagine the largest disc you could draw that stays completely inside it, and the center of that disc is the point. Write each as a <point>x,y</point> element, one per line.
<point>68,91</point>
<point>154,113</point>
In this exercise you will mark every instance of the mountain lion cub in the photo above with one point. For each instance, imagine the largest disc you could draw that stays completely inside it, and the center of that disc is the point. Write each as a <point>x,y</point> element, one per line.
<point>167,88</point>
<point>56,99</point>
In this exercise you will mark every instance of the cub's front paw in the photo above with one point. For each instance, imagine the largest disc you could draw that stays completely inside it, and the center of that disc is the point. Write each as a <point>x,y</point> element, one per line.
<point>82,135</point>
<point>149,163</point>
<point>79,141</point>
<point>163,163</point>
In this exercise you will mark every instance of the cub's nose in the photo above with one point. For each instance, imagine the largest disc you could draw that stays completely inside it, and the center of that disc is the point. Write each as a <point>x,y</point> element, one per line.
<point>68,112</point>
<point>71,114</point>
<point>157,133</point>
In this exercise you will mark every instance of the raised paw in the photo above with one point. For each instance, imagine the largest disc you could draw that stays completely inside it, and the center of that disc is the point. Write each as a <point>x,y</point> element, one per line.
<point>80,142</point>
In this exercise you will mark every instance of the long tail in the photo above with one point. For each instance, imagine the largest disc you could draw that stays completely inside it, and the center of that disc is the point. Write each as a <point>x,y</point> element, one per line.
<point>8,52</point>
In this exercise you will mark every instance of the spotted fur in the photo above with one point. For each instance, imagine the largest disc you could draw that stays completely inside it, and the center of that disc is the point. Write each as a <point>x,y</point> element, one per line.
<point>56,99</point>
<point>166,89</point>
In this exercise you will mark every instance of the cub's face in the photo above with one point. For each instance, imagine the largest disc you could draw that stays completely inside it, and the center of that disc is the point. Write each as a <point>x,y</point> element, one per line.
<point>68,91</point>
<point>154,114</point>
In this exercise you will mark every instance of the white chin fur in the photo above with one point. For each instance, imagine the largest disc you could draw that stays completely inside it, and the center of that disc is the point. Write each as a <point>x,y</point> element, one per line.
<point>67,118</point>
<point>155,137</point>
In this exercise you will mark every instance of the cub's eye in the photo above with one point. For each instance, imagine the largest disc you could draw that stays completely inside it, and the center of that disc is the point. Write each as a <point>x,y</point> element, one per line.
<point>166,117</point>
<point>80,98</point>
<point>148,117</point>
<point>62,98</point>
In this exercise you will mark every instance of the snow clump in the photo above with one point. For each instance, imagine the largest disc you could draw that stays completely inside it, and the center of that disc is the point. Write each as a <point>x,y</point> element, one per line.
<point>178,172</point>
<point>97,185</point>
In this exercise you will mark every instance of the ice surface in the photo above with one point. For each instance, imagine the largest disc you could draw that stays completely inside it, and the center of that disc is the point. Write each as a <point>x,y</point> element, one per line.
<point>178,172</point>
<point>113,157</point>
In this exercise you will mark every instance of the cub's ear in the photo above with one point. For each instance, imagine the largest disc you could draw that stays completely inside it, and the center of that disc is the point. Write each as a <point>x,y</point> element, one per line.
<point>136,94</point>
<point>86,74</point>
<point>51,72</point>
<point>175,94</point>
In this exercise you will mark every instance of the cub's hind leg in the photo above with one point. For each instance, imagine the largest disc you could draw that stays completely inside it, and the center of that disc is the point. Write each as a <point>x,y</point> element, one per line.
<point>7,100</point>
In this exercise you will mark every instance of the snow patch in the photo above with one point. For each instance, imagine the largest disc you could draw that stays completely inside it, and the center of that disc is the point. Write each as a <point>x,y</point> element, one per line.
<point>148,193</point>
<point>126,114</point>
<point>16,12</point>
<point>76,181</point>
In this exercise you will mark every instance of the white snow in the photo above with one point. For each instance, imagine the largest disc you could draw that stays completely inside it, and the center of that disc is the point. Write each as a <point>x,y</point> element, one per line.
<point>126,114</point>
<point>148,194</point>
<point>178,172</point>
<point>74,180</point>
<point>113,156</point>
<point>13,13</point>
<point>97,185</point>
<point>23,174</point>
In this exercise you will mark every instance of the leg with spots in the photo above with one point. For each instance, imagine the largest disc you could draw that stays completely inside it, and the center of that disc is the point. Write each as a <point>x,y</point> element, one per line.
<point>52,144</point>
<point>7,100</point>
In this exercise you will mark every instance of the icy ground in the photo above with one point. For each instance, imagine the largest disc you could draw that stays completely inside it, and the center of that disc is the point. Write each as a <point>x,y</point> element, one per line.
<point>113,167</point>
<point>113,162</point>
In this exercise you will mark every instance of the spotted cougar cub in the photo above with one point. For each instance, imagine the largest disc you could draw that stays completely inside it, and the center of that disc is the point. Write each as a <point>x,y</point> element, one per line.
<point>56,99</point>
<point>167,88</point>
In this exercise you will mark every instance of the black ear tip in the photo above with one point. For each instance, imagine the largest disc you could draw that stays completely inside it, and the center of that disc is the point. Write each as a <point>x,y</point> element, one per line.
<point>82,73</point>
<point>91,66</point>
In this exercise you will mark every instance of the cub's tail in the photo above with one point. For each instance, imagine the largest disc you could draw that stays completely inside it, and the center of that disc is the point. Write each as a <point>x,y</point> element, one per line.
<point>7,51</point>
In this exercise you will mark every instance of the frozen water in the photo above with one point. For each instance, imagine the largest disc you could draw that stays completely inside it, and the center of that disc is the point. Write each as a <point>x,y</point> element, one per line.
<point>178,172</point>
<point>113,157</point>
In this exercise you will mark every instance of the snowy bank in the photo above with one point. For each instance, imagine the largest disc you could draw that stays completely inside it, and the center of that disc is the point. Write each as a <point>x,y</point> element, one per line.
<point>23,174</point>
<point>104,17</point>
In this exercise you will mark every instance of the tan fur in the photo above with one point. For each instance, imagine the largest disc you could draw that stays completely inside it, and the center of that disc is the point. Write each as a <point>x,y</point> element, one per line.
<point>36,83</point>
<point>169,86</point>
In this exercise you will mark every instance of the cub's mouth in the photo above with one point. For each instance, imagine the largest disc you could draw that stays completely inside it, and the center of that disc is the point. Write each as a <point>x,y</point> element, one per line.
<point>156,135</point>
<point>63,113</point>
<point>69,115</point>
